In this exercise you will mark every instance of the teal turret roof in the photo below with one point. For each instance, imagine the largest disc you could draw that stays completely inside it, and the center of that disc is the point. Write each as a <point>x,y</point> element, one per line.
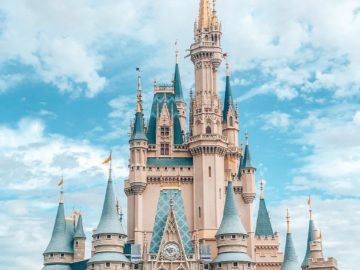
<point>290,258</point>
<point>177,85</point>
<point>138,131</point>
<point>157,105</point>
<point>162,212</point>
<point>309,240</point>
<point>79,232</point>
<point>263,224</point>
<point>60,241</point>
<point>231,223</point>
<point>240,169</point>
<point>109,221</point>
<point>228,102</point>
<point>246,161</point>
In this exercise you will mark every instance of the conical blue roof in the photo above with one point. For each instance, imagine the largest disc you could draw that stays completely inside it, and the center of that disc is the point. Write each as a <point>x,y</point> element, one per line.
<point>290,258</point>
<point>79,232</point>
<point>60,242</point>
<point>228,99</point>
<point>109,221</point>
<point>246,161</point>
<point>138,131</point>
<point>263,224</point>
<point>240,169</point>
<point>231,223</point>
<point>309,240</point>
<point>177,85</point>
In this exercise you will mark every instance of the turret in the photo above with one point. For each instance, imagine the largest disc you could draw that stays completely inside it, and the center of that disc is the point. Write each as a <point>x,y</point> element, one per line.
<point>79,241</point>
<point>263,224</point>
<point>290,258</point>
<point>109,236</point>
<point>60,248</point>
<point>310,238</point>
<point>231,237</point>
<point>248,173</point>
<point>230,117</point>
<point>179,98</point>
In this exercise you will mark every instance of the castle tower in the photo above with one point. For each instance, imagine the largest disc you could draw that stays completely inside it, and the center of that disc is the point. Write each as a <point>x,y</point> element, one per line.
<point>59,253</point>
<point>231,238</point>
<point>314,258</point>
<point>109,236</point>
<point>79,241</point>
<point>290,258</point>
<point>207,144</point>
<point>179,98</point>
<point>230,125</point>
<point>267,243</point>
<point>137,167</point>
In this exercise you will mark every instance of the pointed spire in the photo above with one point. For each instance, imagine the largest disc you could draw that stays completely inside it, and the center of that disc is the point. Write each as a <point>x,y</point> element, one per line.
<point>204,14</point>
<point>138,130</point>
<point>246,161</point>
<point>231,223</point>
<point>109,221</point>
<point>290,258</point>
<point>228,102</point>
<point>263,224</point>
<point>310,237</point>
<point>59,241</point>
<point>177,80</point>
<point>79,232</point>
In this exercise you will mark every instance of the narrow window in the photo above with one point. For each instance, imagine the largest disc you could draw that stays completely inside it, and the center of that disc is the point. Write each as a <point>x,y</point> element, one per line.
<point>164,131</point>
<point>222,237</point>
<point>107,264</point>
<point>76,243</point>
<point>164,149</point>
<point>219,265</point>
<point>220,193</point>
<point>123,265</point>
<point>209,171</point>
<point>231,121</point>
<point>208,130</point>
<point>235,264</point>
<point>199,212</point>
<point>51,255</point>
<point>233,236</point>
<point>108,236</point>
<point>62,255</point>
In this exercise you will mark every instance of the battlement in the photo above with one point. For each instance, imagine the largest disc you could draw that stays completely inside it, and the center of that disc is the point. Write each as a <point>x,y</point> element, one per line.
<point>321,263</point>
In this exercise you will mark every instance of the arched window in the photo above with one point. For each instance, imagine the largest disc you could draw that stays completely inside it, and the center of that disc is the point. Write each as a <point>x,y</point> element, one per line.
<point>231,121</point>
<point>209,171</point>
<point>199,212</point>
<point>208,130</point>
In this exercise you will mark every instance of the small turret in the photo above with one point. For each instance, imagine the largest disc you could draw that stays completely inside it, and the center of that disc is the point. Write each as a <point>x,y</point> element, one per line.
<point>263,224</point>
<point>248,173</point>
<point>79,241</point>
<point>109,236</point>
<point>231,237</point>
<point>179,98</point>
<point>290,258</point>
<point>60,248</point>
<point>138,132</point>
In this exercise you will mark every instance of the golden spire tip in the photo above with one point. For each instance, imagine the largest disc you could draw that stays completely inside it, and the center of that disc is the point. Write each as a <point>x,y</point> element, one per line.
<point>288,220</point>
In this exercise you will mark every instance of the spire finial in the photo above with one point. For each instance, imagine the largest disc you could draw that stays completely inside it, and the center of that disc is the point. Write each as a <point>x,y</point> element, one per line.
<point>139,97</point>
<point>247,136</point>
<point>177,52</point>
<point>204,14</point>
<point>288,220</point>
<point>61,185</point>
<point>309,202</point>
<point>262,184</point>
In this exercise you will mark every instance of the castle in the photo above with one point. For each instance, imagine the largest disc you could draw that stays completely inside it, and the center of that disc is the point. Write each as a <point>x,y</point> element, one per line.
<point>190,191</point>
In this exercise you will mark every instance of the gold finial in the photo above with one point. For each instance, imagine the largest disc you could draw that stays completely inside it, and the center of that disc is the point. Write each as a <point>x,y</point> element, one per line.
<point>61,185</point>
<point>309,202</point>
<point>204,14</point>
<point>247,137</point>
<point>262,184</point>
<point>177,52</point>
<point>139,101</point>
<point>288,220</point>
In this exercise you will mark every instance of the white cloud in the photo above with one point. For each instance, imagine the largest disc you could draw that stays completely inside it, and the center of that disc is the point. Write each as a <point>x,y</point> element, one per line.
<point>276,120</point>
<point>31,163</point>
<point>356,118</point>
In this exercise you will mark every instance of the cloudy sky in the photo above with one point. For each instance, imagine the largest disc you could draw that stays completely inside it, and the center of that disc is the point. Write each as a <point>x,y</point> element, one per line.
<point>67,88</point>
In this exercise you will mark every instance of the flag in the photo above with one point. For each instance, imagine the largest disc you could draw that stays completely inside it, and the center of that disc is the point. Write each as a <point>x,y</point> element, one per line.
<point>138,69</point>
<point>106,161</point>
<point>309,201</point>
<point>61,182</point>
<point>225,55</point>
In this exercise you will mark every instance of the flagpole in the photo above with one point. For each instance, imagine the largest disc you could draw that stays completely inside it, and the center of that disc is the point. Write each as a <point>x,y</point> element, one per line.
<point>110,166</point>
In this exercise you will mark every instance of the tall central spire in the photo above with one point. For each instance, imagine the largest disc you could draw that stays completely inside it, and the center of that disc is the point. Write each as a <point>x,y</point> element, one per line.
<point>204,14</point>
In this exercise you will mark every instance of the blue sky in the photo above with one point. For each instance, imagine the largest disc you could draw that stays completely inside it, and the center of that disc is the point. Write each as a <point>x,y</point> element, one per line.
<point>67,95</point>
